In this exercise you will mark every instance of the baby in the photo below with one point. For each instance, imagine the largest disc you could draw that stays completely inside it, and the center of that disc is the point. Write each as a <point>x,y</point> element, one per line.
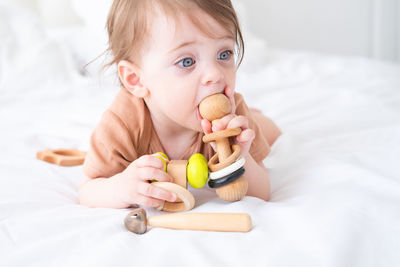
<point>170,55</point>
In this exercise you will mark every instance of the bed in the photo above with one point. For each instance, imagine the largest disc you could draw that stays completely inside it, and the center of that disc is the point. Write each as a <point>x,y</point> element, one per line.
<point>334,172</point>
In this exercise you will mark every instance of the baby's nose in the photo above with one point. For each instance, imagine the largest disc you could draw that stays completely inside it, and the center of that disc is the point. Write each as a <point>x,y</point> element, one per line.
<point>212,73</point>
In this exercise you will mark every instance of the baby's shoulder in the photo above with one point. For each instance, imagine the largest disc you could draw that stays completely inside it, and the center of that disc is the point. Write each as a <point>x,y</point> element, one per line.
<point>127,110</point>
<point>125,119</point>
<point>240,105</point>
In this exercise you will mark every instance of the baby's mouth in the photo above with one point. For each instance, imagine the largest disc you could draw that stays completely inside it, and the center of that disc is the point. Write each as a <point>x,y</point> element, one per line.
<point>198,113</point>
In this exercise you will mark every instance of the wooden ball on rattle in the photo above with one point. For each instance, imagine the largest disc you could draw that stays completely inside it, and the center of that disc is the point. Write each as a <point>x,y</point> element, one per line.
<point>215,107</point>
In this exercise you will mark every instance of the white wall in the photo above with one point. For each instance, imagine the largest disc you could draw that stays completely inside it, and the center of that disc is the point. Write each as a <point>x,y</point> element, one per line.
<point>386,29</point>
<point>348,27</point>
<point>53,13</point>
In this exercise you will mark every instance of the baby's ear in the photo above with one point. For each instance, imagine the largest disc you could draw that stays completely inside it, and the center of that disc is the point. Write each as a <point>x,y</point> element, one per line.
<point>130,78</point>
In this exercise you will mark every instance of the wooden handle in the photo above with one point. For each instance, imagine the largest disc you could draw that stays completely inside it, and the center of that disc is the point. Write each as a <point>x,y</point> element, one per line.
<point>224,149</point>
<point>223,222</point>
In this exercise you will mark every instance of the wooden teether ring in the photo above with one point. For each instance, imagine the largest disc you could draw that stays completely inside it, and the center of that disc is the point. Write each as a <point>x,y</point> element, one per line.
<point>224,152</point>
<point>214,165</point>
<point>221,134</point>
<point>62,157</point>
<point>183,194</point>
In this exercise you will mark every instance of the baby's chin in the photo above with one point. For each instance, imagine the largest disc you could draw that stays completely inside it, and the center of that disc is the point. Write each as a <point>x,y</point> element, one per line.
<point>198,128</point>
<point>195,125</point>
<point>192,123</point>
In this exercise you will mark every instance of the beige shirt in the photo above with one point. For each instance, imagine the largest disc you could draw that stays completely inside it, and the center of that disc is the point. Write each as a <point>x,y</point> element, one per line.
<point>125,133</point>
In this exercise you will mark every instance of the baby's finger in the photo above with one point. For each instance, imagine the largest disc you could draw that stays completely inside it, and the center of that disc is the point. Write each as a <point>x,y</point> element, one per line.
<point>206,126</point>
<point>149,174</point>
<point>222,123</point>
<point>149,161</point>
<point>246,136</point>
<point>238,121</point>
<point>153,191</point>
<point>148,201</point>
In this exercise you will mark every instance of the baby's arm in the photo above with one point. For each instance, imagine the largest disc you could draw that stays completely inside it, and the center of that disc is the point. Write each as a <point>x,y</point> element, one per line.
<point>258,179</point>
<point>131,186</point>
<point>257,185</point>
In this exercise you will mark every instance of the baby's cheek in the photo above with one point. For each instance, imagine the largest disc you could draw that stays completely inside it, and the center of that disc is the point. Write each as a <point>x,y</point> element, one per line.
<point>183,112</point>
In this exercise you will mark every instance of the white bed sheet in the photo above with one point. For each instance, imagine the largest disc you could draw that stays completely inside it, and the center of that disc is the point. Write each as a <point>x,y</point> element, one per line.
<point>334,172</point>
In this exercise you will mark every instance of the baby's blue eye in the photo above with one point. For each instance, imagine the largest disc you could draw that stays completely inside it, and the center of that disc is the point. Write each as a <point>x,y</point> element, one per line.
<point>186,62</point>
<point>225,55</point>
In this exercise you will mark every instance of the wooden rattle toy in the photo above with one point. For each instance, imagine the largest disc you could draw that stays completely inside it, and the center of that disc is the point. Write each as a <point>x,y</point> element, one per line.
<point>194,170</point>
<point>226,165</point>
<point>136,221</point>
<point>62,157</point>
<point>185,200</point>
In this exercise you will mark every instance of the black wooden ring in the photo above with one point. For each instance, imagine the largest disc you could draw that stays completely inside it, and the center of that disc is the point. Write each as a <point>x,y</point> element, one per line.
<point>226,179</point>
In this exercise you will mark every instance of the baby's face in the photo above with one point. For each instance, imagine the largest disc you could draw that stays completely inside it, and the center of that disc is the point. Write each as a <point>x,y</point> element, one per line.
<point>181,65</point>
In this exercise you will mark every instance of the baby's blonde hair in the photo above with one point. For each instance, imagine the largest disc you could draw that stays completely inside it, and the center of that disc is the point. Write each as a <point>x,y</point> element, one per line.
<point>128,20</point>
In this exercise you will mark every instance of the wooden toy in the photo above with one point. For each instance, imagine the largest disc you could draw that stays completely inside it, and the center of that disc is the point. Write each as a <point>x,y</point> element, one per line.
<point>197,170</point>
<point>194,170</point>
<point>185,200</point>
<point>177,170</point>
<point>233,186</point>
<point>62,157</point>
<point>226,171</point>
<point>136,221</point>
<point>216,183</point>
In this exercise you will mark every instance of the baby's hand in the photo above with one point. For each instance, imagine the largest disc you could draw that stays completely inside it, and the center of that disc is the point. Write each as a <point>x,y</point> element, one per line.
<point>134,185</point>
<point>244,139</point>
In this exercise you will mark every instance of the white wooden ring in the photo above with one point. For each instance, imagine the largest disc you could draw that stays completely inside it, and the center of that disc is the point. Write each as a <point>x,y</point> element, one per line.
<point>183,194</point>
<point>228,170</point>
